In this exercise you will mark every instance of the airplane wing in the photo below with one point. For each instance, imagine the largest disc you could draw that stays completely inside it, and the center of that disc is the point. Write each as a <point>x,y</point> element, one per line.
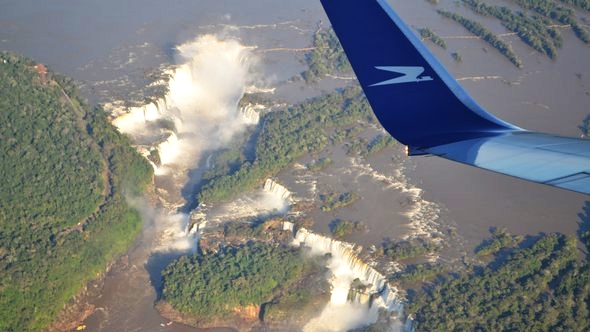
<point>422,106</point>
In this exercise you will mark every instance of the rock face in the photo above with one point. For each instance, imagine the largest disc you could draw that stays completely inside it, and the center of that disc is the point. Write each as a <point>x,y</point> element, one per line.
<point>236,322</point>
<point>247,313</point>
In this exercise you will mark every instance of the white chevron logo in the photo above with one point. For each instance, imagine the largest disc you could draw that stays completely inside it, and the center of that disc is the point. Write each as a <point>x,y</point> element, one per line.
<point>410,74</point>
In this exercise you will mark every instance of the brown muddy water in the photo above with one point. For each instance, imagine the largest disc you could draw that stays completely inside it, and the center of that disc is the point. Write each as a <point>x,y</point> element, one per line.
<point>110,48</point>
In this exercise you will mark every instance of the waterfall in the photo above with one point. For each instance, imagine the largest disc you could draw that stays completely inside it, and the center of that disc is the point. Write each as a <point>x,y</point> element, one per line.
<point>288,226</point>
<point>275,188</point>
<point>348,308</point>
<point>198,114</point>
<point>251,113</point>
<point>200,111</point>
<point>375,282</point>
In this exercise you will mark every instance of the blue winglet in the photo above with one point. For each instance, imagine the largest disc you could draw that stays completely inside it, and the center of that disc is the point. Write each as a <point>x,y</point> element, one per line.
<point>420,104</point>
<point>414,97</point>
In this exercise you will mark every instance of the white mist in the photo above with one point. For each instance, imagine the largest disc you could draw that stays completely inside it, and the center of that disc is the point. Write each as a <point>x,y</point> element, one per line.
<point>198,114</point>
<point>341,314</point>
<point>201,104</point>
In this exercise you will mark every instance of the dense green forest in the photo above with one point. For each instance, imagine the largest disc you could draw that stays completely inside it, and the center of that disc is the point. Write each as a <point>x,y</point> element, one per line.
<point>563,15</point>
<point>341,228</point>
<point>215,284</point>
<point>535,23</point>
<point>479,30</point>
<point>332,201</point>
<point>535,31</point>
<point>65,172</point>
<point>543,286</point>
<point>327,57</point>
<point>428,34</point>
<point>584,4</point>
<point>288,135</point>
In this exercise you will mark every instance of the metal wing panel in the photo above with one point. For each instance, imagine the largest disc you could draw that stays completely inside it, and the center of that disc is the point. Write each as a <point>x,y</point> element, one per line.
<point>553,160</point>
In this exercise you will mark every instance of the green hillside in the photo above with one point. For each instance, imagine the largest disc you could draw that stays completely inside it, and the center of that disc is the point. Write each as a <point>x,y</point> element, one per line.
<point>65,172</point>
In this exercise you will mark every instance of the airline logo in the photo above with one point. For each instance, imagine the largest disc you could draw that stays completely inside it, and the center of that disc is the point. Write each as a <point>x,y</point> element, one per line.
<point>409,74</point>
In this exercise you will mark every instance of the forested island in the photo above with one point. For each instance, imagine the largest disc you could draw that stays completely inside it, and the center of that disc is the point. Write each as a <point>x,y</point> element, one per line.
<point>286,136</point>
<point>65,174</point>
<point>536,24</point>
<point>244,285</point>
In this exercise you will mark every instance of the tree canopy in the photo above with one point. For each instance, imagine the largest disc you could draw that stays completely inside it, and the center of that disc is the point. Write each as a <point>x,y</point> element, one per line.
<point>63,215</point>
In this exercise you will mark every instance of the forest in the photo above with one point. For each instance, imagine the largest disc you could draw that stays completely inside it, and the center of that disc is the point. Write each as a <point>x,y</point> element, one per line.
<point>65,174</point>
<point>326,57</point>
<point>536,24</point>
<point>213,285</point>
<point>479,30</point>
<point>541,286</point>
<point>289,134</point>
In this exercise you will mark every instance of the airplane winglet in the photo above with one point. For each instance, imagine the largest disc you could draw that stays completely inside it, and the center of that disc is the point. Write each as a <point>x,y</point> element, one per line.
<point>414,97</point>
<point>422,106</point>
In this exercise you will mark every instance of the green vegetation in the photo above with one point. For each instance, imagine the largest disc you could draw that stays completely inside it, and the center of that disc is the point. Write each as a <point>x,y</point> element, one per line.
<point>225,161</point>
<point>426,33</point>
<point>563,15</point>
<point>333,201</point>
<point>457,57</point>
<point>419,273</point>
<point>63,216</point>
<point>288,135</point>
<point>342,134</point>
<point>320,164</point>
<point>485,34</point>
<point>398,250</point>
<point>341,228</point>
<point>543,287</point>
<point>584,4</point>
<point>360,146</point>
<point>534,26</point>
<point>501,240</point>
<point>533,31</point>
<point>213,285</point>
<point>379,143</point>
<point>327,57</point>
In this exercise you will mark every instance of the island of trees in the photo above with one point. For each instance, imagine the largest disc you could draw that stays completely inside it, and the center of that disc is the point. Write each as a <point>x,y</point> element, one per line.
<point>428,34</point>
<point>243,284</point>
<point>535,25</point>
<point>479,30</point>
<point>288,135</point>
<point>65,173</point>
<point>327,57</point>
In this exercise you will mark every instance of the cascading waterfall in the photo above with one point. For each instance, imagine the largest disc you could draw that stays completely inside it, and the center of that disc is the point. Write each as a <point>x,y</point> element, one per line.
<point>251,113</point>
<point>270,200</point>
<point>275,188</point>
<point>341,313</point>
<point>199,113</point>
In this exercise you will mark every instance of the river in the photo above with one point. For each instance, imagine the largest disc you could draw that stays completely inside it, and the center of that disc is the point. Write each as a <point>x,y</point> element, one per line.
<point>112,47</point>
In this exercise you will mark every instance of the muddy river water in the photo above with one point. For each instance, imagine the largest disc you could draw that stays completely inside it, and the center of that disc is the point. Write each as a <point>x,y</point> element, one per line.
<point>110,47</point>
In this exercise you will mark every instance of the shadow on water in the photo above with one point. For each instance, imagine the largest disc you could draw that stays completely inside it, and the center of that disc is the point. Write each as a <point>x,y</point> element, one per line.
<point>195,182</point>
<point>156,263</point>
<point>171,50</point>
<point>193,185</point>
